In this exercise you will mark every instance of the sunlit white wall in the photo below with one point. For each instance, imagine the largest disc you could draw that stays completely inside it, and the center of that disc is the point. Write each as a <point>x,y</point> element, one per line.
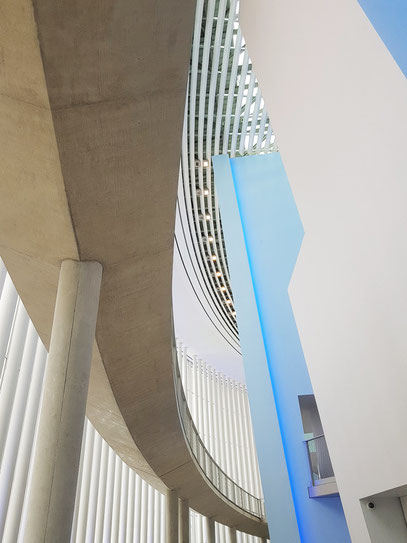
<point>338,104</point>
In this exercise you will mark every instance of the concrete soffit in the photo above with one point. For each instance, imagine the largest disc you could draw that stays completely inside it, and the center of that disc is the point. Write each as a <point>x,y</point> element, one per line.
<point>86,106</point>
<point>92,103</point>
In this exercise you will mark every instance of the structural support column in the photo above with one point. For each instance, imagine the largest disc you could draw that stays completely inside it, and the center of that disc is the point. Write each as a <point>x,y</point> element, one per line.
<point>232,535</point>
<point>183,521</point>
<point>171,520</point>
<point>57,456</point>
<point>210,530</point>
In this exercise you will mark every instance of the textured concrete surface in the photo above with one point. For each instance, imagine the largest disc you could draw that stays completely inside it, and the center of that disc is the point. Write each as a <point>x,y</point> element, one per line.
<point>58,447</point>
<point>92,101</point>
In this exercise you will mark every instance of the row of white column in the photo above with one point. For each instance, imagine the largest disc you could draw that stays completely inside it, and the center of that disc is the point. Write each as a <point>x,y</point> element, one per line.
<point>43,445</point>
<point>112,503</point>
<point>220,409</point>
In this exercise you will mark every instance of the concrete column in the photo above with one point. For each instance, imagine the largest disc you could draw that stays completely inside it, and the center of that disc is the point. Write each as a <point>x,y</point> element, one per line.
<point>171,520</point>
<point>57,456</point>
<point>184,521</point>
<point>210,530</point>
<point>232,535</point>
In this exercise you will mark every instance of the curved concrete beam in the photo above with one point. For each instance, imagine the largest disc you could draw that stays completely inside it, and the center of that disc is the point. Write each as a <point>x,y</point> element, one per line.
<point>93,102</point>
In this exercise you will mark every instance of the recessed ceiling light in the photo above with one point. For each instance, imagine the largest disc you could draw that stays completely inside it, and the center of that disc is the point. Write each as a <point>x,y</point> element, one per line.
<point>205,163</point>
<point>228,302</point>
<point>223,288</point>
<point>213,257</point>
<point>207,217</point>
<point>206,192</point>
<point>210,239</point>
<point>218,274</point>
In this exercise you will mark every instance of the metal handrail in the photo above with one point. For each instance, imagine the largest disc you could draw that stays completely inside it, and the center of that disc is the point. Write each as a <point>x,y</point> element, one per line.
<point>212,471</point>
<point>319,460</point>
<point>313,438</point>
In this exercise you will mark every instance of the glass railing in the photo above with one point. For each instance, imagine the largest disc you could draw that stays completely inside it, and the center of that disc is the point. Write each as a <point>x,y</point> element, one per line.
<point>319,460</point>
<point>213,472</point>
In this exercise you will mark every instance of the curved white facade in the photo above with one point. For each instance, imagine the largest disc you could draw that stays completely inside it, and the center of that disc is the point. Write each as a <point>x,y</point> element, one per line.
<point>220,409</point>
<point>224,113</point>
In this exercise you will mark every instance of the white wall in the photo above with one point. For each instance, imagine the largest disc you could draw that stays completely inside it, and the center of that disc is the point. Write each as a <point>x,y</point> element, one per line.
<point>338,105</point>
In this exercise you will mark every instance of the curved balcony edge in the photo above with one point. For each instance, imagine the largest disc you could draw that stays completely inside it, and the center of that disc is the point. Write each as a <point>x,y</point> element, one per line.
<point>209,468</point>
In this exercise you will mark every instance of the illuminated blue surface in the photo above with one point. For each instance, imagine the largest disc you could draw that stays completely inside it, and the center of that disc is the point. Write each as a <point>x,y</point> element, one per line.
<point>256,199</point>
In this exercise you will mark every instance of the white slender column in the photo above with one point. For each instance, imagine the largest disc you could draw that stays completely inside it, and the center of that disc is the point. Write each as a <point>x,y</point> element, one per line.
<point>162,518</point>
<point>18,488</point>
<point>85,483</point>
<point>201,409</point>
<point>201,529</point>
<point>7,308</point>
<point>116,500</point>
<point>3,275</point>
<point>124,498</point>
<point>184,521</point>
<point>107,519</point>
<point>11,373</point>
<point>55,473</point>
<point>211,424</point>
<point>185,360</point>
<point>100,507</point>
<point>172,516</point>
<point>205,398</point>
<point>222,532</point>
<point>78,488</point>
<point>253,453</point>
<point>244,461</point>
<point>150,513</point>
<point>130,507</point>
<point>195,411</point>
<point>232,535</point>
<point>192,526</point>
<point>210,530</point>
<point>137,510</point>
<point>235,432</point>
<point>94,487</point>
<point>143,514</point>
<point>221,428</point>
<point>214,418</point>
<point>8,462</point>
<point>251,466</point>
<point>227,421</point>
<point>157,527</point>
